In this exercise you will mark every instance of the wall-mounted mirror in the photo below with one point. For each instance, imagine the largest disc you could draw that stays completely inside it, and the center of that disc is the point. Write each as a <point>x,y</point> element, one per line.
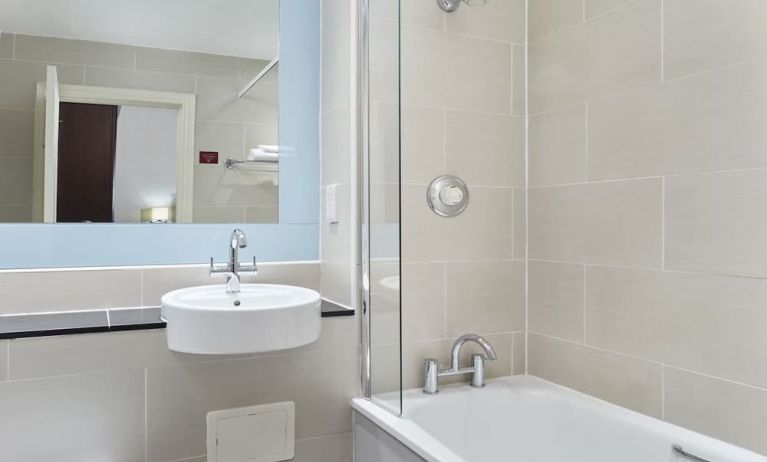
<point>131,112</point>
<point>158,113</point>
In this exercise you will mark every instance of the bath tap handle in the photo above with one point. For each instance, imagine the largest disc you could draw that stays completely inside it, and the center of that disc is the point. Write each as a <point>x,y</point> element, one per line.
<point>687,455</point>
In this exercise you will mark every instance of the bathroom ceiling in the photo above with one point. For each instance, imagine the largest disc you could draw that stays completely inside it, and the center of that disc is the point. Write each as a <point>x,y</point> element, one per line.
<point>244,28</point>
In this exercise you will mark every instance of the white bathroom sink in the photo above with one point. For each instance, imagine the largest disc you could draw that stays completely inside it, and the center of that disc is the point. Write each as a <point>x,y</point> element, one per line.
<point>261,317</point>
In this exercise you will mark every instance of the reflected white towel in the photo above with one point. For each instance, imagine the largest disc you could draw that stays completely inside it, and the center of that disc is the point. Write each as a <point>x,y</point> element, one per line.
<point>269,148</point>
<point>260,156</point>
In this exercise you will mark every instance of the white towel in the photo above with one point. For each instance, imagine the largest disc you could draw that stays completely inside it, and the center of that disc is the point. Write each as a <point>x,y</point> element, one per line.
<point>269,148</point>
<point>258,155</point>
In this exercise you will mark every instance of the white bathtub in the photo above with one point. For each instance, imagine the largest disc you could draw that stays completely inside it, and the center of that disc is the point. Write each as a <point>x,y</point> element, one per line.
<point>526,419</point>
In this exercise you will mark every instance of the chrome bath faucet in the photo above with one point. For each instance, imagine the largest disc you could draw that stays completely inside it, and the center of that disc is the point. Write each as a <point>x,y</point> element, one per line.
<point>232,270</point>
<point>432,372</point>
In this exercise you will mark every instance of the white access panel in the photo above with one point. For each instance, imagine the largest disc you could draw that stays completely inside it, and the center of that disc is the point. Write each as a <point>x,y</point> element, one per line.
<point>263,433</point>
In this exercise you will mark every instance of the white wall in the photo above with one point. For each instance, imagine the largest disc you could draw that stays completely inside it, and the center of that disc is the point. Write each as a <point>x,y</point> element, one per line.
<point>145,164</point>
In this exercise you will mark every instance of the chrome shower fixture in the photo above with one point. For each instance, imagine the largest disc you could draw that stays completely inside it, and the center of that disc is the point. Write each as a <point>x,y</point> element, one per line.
<point>449,6</point>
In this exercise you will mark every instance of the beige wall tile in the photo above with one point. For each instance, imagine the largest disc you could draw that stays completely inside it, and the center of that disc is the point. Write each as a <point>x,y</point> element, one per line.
<point>485,297</point>
<point>423,301</point>
<point>135,350</point>
<point>555,299</point>
<point>706,123</point>
<point>547,17</point>
<point>15,180</point>
<point>337,282</point>
<point>611,54</point>
<point>15,213</point>
<point>699,35</point>
<point>262,214</point>
<point>423,144</point>
<point>519,355</point>
<point>595,7</point>
<point>519,80</point>
<point>336,54</point>
<point>57,50</point>
<point>20,82</point>
<point>519,217</point>
<point>613,223</point>
<point>332,448</point>
<point>320,383</point>
<point>711,221</point>
<point>3,360</point>
<point>711,324</point>
<point>455,72</point>
<point>17,133</point>
<point>69,290</point>
<point>721,409</point>
<point>227,138</point>
<point>158,281</point>
<point>142,80</point>
<point>215,214</point>
<point>182,62</point>
<point>484,149</point>
<point>336,146</point>
<point>256,134</point>
<point>217,100</point>
<point>503,21</point>
<point>481,232</point>
<point>558,146</point>
<point>6,45</point>
<point>79,417</point>
<point>384,144</point>
<point>619,379</point>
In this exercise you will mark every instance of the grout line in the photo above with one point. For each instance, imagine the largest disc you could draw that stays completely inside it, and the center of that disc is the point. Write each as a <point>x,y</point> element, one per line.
<point>662,42</point>
<point>583,302</point>
<point>663,223</point>
<point>527,184</point>
<point>663,392</point>
<point>568,28</point>
<point>651,361</point>
<point>444,300</point>
<point>586,148</point>
<point>146,415</point>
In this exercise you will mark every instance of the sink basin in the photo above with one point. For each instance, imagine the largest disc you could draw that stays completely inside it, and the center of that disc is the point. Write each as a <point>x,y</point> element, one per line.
<point>262,317</point>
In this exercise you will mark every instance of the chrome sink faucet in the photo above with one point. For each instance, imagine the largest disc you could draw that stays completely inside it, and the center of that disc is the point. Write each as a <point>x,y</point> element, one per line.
<point>432,372</point>
<point>232,270</point>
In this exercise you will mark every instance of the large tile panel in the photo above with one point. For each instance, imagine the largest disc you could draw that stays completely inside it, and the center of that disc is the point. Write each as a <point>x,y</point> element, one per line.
<point>699,35</point>
<point>711,324</point>
<point>619,379</point>
<point>555,299</point>
<point>704,123</point>
<point>82,417</point>
<point>614,223</point>
<point>714,223</point>
<point>724,410</point>
<point>611,54</point>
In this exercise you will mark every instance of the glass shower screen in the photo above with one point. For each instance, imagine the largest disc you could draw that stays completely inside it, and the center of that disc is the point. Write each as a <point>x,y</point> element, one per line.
<point>380,119</point>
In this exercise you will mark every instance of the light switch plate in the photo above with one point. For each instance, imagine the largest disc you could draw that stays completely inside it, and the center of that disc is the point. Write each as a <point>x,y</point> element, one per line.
<point>264,433</point>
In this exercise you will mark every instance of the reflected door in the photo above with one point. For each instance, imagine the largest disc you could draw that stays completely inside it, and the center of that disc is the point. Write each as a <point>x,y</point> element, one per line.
<point>86,163</point>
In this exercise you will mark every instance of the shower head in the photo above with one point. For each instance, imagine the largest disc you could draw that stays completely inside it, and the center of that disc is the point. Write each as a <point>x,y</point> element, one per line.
<point>449,6</point>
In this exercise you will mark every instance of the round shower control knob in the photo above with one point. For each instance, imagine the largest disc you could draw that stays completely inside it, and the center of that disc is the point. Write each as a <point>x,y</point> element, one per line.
<point>451,195</point>
<point>448,196</point>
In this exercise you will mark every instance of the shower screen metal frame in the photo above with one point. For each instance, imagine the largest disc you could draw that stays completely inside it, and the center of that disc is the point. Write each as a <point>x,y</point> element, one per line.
<point>364,192</point>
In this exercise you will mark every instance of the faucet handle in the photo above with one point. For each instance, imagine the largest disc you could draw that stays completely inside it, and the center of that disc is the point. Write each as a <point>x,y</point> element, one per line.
<point>249,267</point>
<point>219,269</point>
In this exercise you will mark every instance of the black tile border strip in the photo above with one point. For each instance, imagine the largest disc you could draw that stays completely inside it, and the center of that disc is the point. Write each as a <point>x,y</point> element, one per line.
<point>100,321</point>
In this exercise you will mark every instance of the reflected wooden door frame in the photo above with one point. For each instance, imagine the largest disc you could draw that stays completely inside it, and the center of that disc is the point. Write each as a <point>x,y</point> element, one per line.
<point>183,102</point>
